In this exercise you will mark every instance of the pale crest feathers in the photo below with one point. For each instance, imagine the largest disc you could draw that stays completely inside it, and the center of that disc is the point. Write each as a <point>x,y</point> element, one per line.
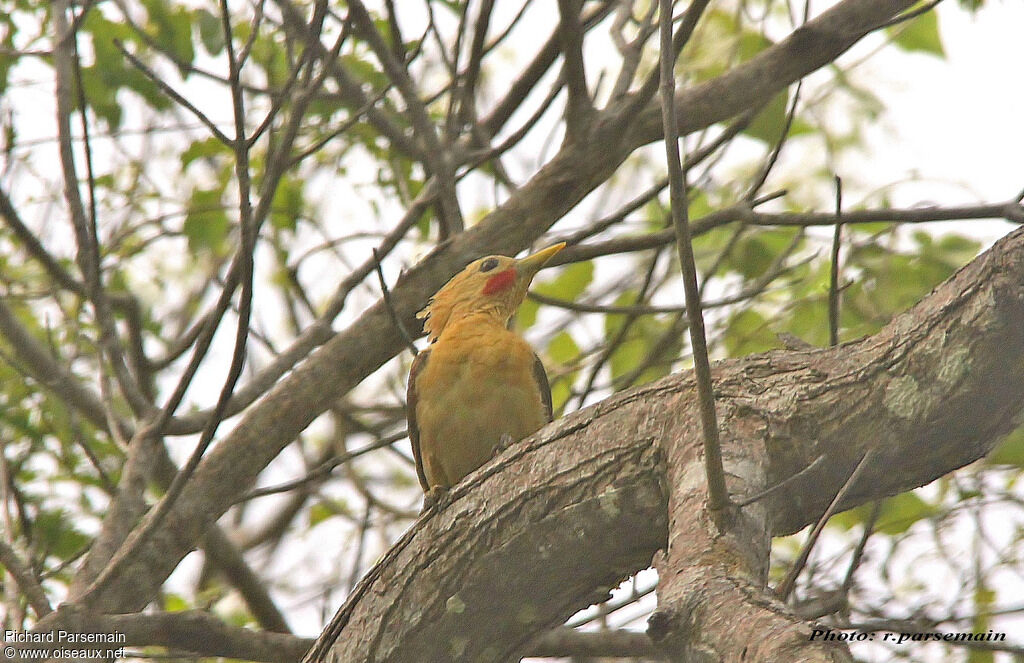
<point>463,293</point>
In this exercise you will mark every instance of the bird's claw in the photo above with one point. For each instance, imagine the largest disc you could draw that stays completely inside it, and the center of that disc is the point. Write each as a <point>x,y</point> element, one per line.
<point>504,442</point>
<point>435,498</point>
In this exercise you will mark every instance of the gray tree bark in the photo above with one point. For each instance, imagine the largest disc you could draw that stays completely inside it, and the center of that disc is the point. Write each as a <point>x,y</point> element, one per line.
<point>549,526</point>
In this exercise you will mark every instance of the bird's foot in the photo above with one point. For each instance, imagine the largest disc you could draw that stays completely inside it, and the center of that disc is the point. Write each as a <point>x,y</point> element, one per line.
<point>435,498</point>
<point>504,442</point>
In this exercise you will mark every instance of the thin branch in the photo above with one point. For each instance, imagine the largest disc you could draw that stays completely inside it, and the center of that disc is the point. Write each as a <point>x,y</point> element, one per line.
<point>228,560</point>
<point>718,496</point>
<point>467,91</point>
<point>315,335</point>
<point>357,563</point>
<point>87,247</point>
<point>650,86</point>
<point>322,471</point>
<point>351,90</point>
<point>786,586</point>
<point>777,150</point>
<point>858,552</point>
<point>436,157</point>
<point>751,290</point>
<point>1011,211</point>
<point>907,16</point>
<point>173,94</point>
<point>319,332</point>
<point>788,481</point>
<point>36,248</point>
<point>620,335</point>
<point>578,110</point>
<point>520,89</point>
<point>352,120</point>
<point>50,372</point>
<point>244,259</point>
<point>652,192</point>
<point>833,280</point>
<point>190,631</point>
<point>391,308</point>
<point>26,582</point>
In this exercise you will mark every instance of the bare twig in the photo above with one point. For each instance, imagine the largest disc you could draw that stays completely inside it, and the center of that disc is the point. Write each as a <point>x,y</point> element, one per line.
<point>173,94</point>
<point>833,280</point>
<point>650,86</point>
<point>357,563</point>
<point>26,582</point>
<point>907,16</point>
<point>786,586</point>
<point>322,471</point>
<point>771,490</point>
<point>858,552</point>
<point>36,248</point>
<point>578,110</point>
<point>391,308</point>
<point>244,258</point>
<point>743,212</point>
<point>228,560</point>
<point>84,226</point>
<point>467,91</point>
<point>520,89</point>
<point>718,497</point>
<point>50,373</point>
<point>777,150</point>
<point>436,157</point>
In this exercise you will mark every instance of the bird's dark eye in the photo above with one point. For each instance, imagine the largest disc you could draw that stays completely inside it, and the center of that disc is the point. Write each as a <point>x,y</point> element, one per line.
<point>488,265</point>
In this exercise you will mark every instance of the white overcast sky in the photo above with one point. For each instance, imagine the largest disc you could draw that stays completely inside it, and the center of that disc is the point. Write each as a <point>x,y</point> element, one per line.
<point>957,122</point>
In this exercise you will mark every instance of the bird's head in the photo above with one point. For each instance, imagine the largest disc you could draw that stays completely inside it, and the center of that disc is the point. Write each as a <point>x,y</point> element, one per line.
<point>494,285</point>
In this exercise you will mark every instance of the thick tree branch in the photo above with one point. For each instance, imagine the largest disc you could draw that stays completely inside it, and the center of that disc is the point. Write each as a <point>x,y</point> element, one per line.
<point>371,340</point>
<point>755,82</point>
<point>943,376</point>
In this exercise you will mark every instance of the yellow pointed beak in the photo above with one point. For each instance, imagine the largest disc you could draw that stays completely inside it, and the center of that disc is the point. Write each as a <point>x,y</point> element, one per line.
<point>532,264</point>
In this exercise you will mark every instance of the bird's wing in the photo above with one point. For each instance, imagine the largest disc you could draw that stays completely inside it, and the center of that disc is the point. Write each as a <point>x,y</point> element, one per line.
<point>541,378</point>
<point>411,398</point>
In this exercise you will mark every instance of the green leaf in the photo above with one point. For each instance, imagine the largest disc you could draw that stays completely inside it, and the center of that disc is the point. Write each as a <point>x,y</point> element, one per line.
<point>984,601</point>
<point>570,283</point>
<point>175,603</point>
<point>640,341</point>
<point>55,534</point>
<point>1010,451</point>
<point>172,30</point>
<point>767,124</point>
<point>901,511</point>
<point>748,332</point>
<point>318,513</point>
<point>8,28</point>
<point>206,223</point>
<point>919,34</point>
<point>202,149</point>
<point>896,516</point>
<point>101,97</point>
<point>755,252</point>
<point>287,205</point>
<point>562,348</point>
<point>211,32</point>
<point>561,390</point>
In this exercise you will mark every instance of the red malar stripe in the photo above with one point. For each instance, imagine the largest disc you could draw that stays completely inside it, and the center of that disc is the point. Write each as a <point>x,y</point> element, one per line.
<point>500,282</point>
